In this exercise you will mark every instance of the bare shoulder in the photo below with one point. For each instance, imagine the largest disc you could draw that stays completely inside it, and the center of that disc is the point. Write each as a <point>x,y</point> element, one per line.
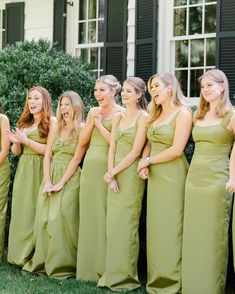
<point>144,115</point>
<point>53,120</point>
<point>185,113</point>
<point>82,125</point>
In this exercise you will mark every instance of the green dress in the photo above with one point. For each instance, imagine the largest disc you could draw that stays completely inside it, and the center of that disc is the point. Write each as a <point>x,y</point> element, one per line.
<point>207,211</point>
<point>165,208</point>
<point>123,213</point>
<point>93,205</point>
<point>27,181</point>
<point>4,186</point>
<point>57,217</point>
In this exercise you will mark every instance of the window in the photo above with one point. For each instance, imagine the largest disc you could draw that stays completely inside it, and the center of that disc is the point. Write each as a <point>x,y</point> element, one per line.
<point>194,41</point>
<point>2,29</point>
<point>91,33</point>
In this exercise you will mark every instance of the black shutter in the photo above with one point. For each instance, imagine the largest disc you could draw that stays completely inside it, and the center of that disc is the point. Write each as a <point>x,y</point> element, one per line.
<point>225,41</point>
<point>14,24</point>
<point>59,24</point>
<point>146,38</point>
<point>115,38</point>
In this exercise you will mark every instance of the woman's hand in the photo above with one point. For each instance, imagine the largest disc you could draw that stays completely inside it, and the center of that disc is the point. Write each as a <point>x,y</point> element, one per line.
<point>230,186</point>
<point>108,178</point>
<point>144,173</point>
<point>57,187</point>
<point>48,187</point>
<point>113,185</point>
<point>22,137</point>
<point>144,162</point>
<point>12,135</point>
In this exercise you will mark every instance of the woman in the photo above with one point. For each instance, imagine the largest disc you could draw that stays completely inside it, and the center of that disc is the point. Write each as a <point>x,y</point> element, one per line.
<point>126,189</point>
<point>29,142</point>
<point>4,176</point>
<point>93,190</point>
<point>207,203</point>
<point>56,222</point>
<point>164,164</point>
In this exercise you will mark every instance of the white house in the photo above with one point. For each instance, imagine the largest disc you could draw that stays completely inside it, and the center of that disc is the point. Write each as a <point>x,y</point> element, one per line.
<point>132,37</point>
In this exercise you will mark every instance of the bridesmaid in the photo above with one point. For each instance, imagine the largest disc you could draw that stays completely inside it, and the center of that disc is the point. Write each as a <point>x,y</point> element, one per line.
<point>4,177</point>
<point>207,203</point>
<point>93,190</point>
<point>126,189</point>
<point>169,127</point>
<point>29,142</point>
<point>56,221</point>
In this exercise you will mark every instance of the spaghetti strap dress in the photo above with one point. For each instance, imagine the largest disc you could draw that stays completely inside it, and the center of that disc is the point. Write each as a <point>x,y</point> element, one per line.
<point>28,178</point>
<point>207,211</point>
<point>165,210</point>
<point>4,187</point>
<point>93,208</point>
<point>57,219</point>
<point>123,213</point>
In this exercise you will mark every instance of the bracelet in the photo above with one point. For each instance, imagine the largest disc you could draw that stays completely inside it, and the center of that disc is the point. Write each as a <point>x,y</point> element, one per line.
<point>148,160</point>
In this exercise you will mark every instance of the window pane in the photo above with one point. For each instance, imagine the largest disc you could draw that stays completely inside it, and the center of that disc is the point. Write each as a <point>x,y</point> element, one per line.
<point>182,76</point>
<point>84,55</point>
<point>82,33</point>
<point>83,9</point>
<point>181,53</point>
<point>195,1</point>
<point>195,20</point>
<point>180,2</point>
<point>194,84</point>
<point>94,56</point>
<point>197,52</point>
<point>101,9</point>
<point>210,51</point>
<point>92,9</point>
<point>101,31</point>
<point>210,18</point>
<point>92,32</point>
<point>180,22</point>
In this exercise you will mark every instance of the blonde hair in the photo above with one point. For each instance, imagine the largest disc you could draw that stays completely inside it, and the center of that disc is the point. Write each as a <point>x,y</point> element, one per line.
<point>77,115</point>
<point>112,82</point>
<point>224,105</point>
<point>140,88</point>
<point>176,96</point>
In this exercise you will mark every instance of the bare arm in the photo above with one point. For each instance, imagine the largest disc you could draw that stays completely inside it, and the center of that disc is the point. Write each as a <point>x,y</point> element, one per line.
<point>183,126</point>
<point>87,130</point>
<point>5,141</point>
<point>144,172</point>
<point>230,185</point>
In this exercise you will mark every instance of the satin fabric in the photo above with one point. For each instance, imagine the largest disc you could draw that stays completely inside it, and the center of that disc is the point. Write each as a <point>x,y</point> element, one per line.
<point>93,208</point>
<point>4,187</point>
<point>26,185</point>
<point>57,219</point>
<point>123,213</point>
<point>207,211</point>
<point>165,207</point>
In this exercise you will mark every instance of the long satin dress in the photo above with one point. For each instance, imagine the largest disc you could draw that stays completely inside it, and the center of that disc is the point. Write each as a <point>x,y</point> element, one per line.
<point>207,211</point>
<point>26,185</point>
<point>4,187</point>
<point>123,213</point>
<point>57,219</point>
<point>165,210</point>
<point>93,208</point>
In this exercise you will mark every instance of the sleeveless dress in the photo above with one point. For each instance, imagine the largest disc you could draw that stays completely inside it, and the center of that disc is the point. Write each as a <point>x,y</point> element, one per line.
<point>123,213</point>
<point>28,178</point>
<point>207,211</point>
<point>93,206</point>
<point>57,217</point>
<point>4,187</point>
<point>165,208</point>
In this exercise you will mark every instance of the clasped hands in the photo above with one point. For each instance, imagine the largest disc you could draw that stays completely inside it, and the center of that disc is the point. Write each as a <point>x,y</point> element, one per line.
<point>17,136</point>
<point>111,181</point>
<point>142,169</point>
<point>49,188</point>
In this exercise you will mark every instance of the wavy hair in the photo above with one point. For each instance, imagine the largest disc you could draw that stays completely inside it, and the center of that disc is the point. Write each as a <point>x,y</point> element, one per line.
<point>176,94</point>
<point>140,88</point>
<point>26,119</point>
<point>77,112</point>
<point>224,105</point>
<point>112,82</point>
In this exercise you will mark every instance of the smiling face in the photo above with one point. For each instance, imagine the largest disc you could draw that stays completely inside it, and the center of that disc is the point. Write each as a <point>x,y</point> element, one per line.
<point>103,94</point>
<point>129,94</point>
<point>35,102</point>
<point>66,109</point>
<point>211,90</point>
<point>159,91</point>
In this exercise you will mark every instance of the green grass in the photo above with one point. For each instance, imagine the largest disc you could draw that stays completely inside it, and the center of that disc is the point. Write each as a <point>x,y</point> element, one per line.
<point>14,281</point>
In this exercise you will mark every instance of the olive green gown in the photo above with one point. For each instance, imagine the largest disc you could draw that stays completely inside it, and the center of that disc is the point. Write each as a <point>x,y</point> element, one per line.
<point>93,205</point>
<point>26,185</point>
<point>207,211</point>
<point>57,216</point>
<point>165,208</point>
<point>123,213</point>
<point>4,186</point>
